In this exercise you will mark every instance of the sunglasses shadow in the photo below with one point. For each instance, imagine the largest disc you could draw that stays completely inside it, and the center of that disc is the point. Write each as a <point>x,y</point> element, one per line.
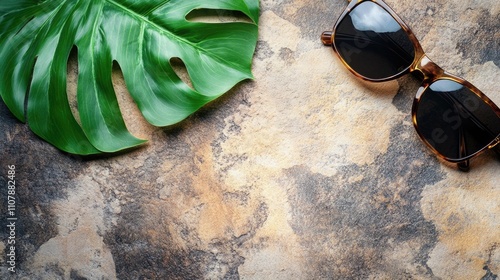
<point>407,85</point>
<point>403,90</point>
<point>486,158</point>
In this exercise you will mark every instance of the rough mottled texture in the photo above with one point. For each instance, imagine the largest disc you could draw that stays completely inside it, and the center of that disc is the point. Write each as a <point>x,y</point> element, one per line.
<point>303,173</point>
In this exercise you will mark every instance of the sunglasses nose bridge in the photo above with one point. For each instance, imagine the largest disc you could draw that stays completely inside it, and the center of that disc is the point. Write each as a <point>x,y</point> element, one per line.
<point>428,69</point>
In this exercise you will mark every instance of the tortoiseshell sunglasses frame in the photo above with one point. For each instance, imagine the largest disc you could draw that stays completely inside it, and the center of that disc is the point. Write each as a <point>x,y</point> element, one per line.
<point>422,66</point>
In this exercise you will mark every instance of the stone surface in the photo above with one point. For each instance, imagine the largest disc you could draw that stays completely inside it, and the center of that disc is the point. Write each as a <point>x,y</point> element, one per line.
<point>303,173</point>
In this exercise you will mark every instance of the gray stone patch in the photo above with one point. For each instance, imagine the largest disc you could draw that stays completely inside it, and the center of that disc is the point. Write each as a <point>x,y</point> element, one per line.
<point>364,221</point>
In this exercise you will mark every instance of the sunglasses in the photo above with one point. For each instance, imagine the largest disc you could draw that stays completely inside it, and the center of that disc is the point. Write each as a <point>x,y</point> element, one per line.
<point>454,118</point>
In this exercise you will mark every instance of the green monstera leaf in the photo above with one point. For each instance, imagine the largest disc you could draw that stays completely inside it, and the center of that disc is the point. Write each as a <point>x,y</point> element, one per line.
<point>142,36</point>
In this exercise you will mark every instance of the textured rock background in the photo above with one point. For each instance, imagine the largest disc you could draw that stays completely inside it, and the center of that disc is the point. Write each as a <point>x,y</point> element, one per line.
<point>303,173</point>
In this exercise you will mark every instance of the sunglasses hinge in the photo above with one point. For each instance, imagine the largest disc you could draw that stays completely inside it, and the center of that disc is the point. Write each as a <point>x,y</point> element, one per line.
<point>496,143</point>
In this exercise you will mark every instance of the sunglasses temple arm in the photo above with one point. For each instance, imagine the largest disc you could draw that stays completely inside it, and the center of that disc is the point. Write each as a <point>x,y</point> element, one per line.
<point>464,165</point>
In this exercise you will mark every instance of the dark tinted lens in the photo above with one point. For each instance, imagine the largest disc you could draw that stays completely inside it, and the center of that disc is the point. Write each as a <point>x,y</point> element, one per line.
<point>455,121</point>
<point>373,43</point>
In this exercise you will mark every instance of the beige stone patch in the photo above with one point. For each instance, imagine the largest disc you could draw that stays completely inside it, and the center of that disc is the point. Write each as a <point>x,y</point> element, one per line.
<point>79,245</point>
<point>271,263</point>
<point>277,32</point>
<point>465,210</point>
